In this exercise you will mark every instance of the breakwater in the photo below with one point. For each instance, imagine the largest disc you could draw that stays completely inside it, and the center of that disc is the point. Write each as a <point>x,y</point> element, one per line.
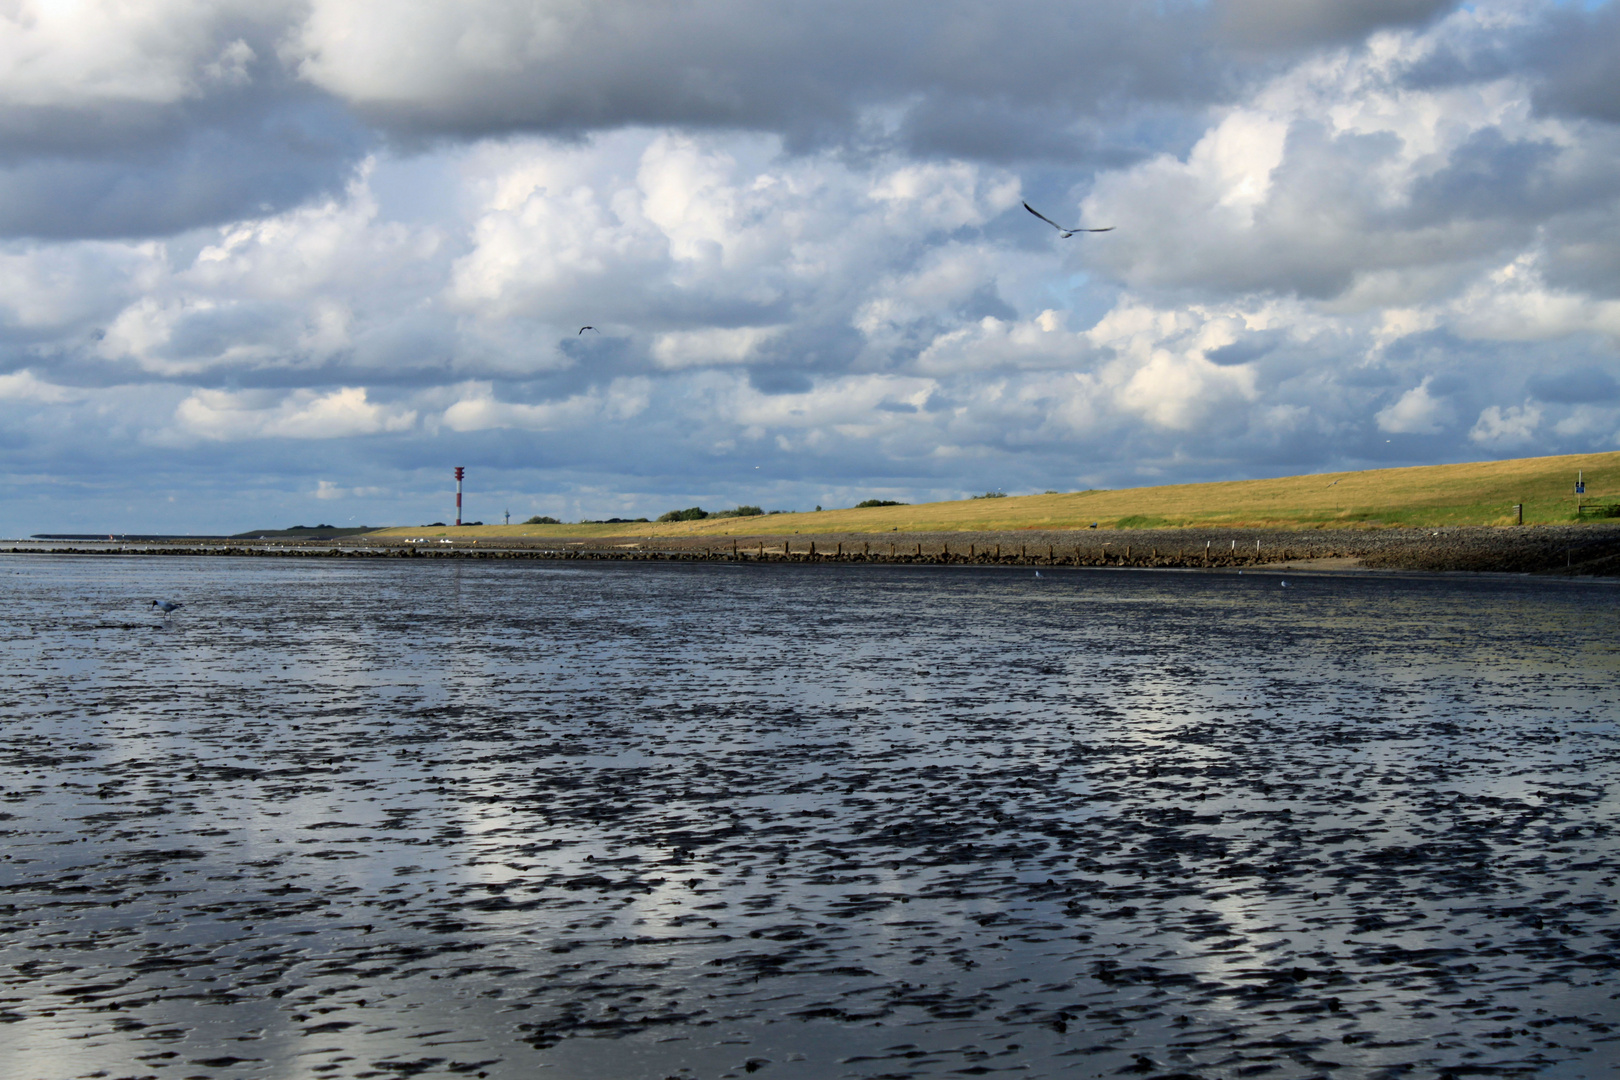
<point>1574,549</point>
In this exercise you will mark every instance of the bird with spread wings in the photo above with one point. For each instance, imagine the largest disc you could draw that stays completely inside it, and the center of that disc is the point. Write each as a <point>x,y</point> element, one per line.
<point>1065,233</point>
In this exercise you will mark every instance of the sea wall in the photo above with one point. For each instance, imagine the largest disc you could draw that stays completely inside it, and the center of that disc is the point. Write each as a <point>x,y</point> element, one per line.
<point>1574,549</point>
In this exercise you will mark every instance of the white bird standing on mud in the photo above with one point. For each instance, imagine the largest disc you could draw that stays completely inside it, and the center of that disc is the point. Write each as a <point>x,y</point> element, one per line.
<point>1065,233</point>
<point>167,606</point>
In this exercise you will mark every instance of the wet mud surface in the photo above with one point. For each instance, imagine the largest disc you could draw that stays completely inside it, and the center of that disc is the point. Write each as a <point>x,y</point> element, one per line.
<point>382,819</point>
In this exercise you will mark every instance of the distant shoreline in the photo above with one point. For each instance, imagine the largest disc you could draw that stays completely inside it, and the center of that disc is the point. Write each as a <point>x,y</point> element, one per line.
<point>1575,550</point>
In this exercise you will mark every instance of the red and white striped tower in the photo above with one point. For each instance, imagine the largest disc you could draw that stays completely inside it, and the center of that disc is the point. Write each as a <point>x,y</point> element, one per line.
<point>460,472</point>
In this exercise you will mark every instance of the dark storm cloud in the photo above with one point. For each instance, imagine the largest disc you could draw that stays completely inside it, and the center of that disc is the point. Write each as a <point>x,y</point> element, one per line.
<point>165,171</point>
<point>1491,176</point>
<point>807,70</point>
<point>1577,387</point>
<point>1249,348</point>
<point>964,78</point>
<point>1310,23</point>
<point>149,120</point>
<point>1575,51</point>
<point>1567,49</point>
<point>1584,252</point>
<point>1037,80</point>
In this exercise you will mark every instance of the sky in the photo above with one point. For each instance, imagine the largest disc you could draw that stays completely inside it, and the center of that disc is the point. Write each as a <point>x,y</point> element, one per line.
<point>267,263</point>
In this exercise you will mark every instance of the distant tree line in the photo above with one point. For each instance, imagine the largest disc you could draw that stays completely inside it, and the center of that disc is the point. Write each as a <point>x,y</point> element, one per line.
<point>697,513</point>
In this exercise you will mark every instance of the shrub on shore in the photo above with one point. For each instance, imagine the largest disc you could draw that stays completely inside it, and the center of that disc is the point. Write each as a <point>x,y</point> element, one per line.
<point>541,519</point>
<point>697,513</point>
<point>878,502</point>
<point>992,495</point>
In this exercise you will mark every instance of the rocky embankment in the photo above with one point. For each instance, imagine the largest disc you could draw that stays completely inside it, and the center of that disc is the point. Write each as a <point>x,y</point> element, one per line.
<point>1587,549</point>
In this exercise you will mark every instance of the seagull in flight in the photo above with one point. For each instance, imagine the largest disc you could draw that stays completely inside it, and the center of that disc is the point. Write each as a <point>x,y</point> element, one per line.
<point>592,329</point>
<point>1065,233</point>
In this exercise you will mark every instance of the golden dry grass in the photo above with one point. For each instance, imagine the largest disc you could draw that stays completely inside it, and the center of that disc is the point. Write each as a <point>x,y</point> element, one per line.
<point>1475,493</point>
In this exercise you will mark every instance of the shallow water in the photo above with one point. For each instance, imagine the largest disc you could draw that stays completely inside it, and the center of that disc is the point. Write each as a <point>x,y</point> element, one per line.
<point>649,820</point>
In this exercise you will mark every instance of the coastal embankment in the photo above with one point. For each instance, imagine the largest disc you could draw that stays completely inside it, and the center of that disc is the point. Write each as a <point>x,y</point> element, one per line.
<point>1591,549</point>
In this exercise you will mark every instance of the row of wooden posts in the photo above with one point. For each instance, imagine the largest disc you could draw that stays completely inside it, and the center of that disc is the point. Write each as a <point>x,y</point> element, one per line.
<point>991,553</point>
<point>761,551</point>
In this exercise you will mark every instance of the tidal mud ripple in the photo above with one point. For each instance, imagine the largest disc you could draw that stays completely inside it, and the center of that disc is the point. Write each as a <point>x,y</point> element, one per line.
<point>513,819</point>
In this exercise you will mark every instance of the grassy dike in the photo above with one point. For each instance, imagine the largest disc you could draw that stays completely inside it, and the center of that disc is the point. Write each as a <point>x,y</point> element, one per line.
<point>1474,493</point>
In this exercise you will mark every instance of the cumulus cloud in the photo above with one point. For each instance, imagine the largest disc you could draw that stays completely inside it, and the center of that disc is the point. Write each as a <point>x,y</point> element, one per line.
<point>1348,233</point>
<point>1497,426</point>
<point>478,409</point>
<point>303,414</point>
<point>130,120</point>
<point>1416,412</point>
<point>159,52</point>
<point>813,74</point>
<point>25,386</point>
<point>1340,180</point>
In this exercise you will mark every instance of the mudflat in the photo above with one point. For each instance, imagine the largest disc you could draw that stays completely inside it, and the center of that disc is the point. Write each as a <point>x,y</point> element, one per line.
<point>380,817</point>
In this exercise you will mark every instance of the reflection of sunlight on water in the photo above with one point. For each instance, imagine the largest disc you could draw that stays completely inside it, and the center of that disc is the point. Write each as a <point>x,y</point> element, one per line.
<point>802,815</point>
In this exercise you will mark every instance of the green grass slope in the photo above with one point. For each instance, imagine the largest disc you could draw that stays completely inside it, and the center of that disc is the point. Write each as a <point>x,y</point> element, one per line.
<point>1475,493</point>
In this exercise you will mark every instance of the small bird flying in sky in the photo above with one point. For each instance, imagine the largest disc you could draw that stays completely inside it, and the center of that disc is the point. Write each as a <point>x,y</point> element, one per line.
<point>592,329</point>
<point>1065,233</point>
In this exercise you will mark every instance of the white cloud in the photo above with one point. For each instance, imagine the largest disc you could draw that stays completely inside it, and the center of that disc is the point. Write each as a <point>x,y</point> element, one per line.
<point>707,348</point>
<point>1340,173</point>
<point>72,52</point>
<point>645,228</point>
<point>1596,423</point>
<point>326,490</point>
<point>303,414</point>
<point>297,254</point>
<point>65,288</point>
<point>1416,413</point>
<point>478,409</point>
<point>1514,303</point>
<point>991,344</point>
<point>848,406</point>
<point>1505,427</point>
<point>26,386</point>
